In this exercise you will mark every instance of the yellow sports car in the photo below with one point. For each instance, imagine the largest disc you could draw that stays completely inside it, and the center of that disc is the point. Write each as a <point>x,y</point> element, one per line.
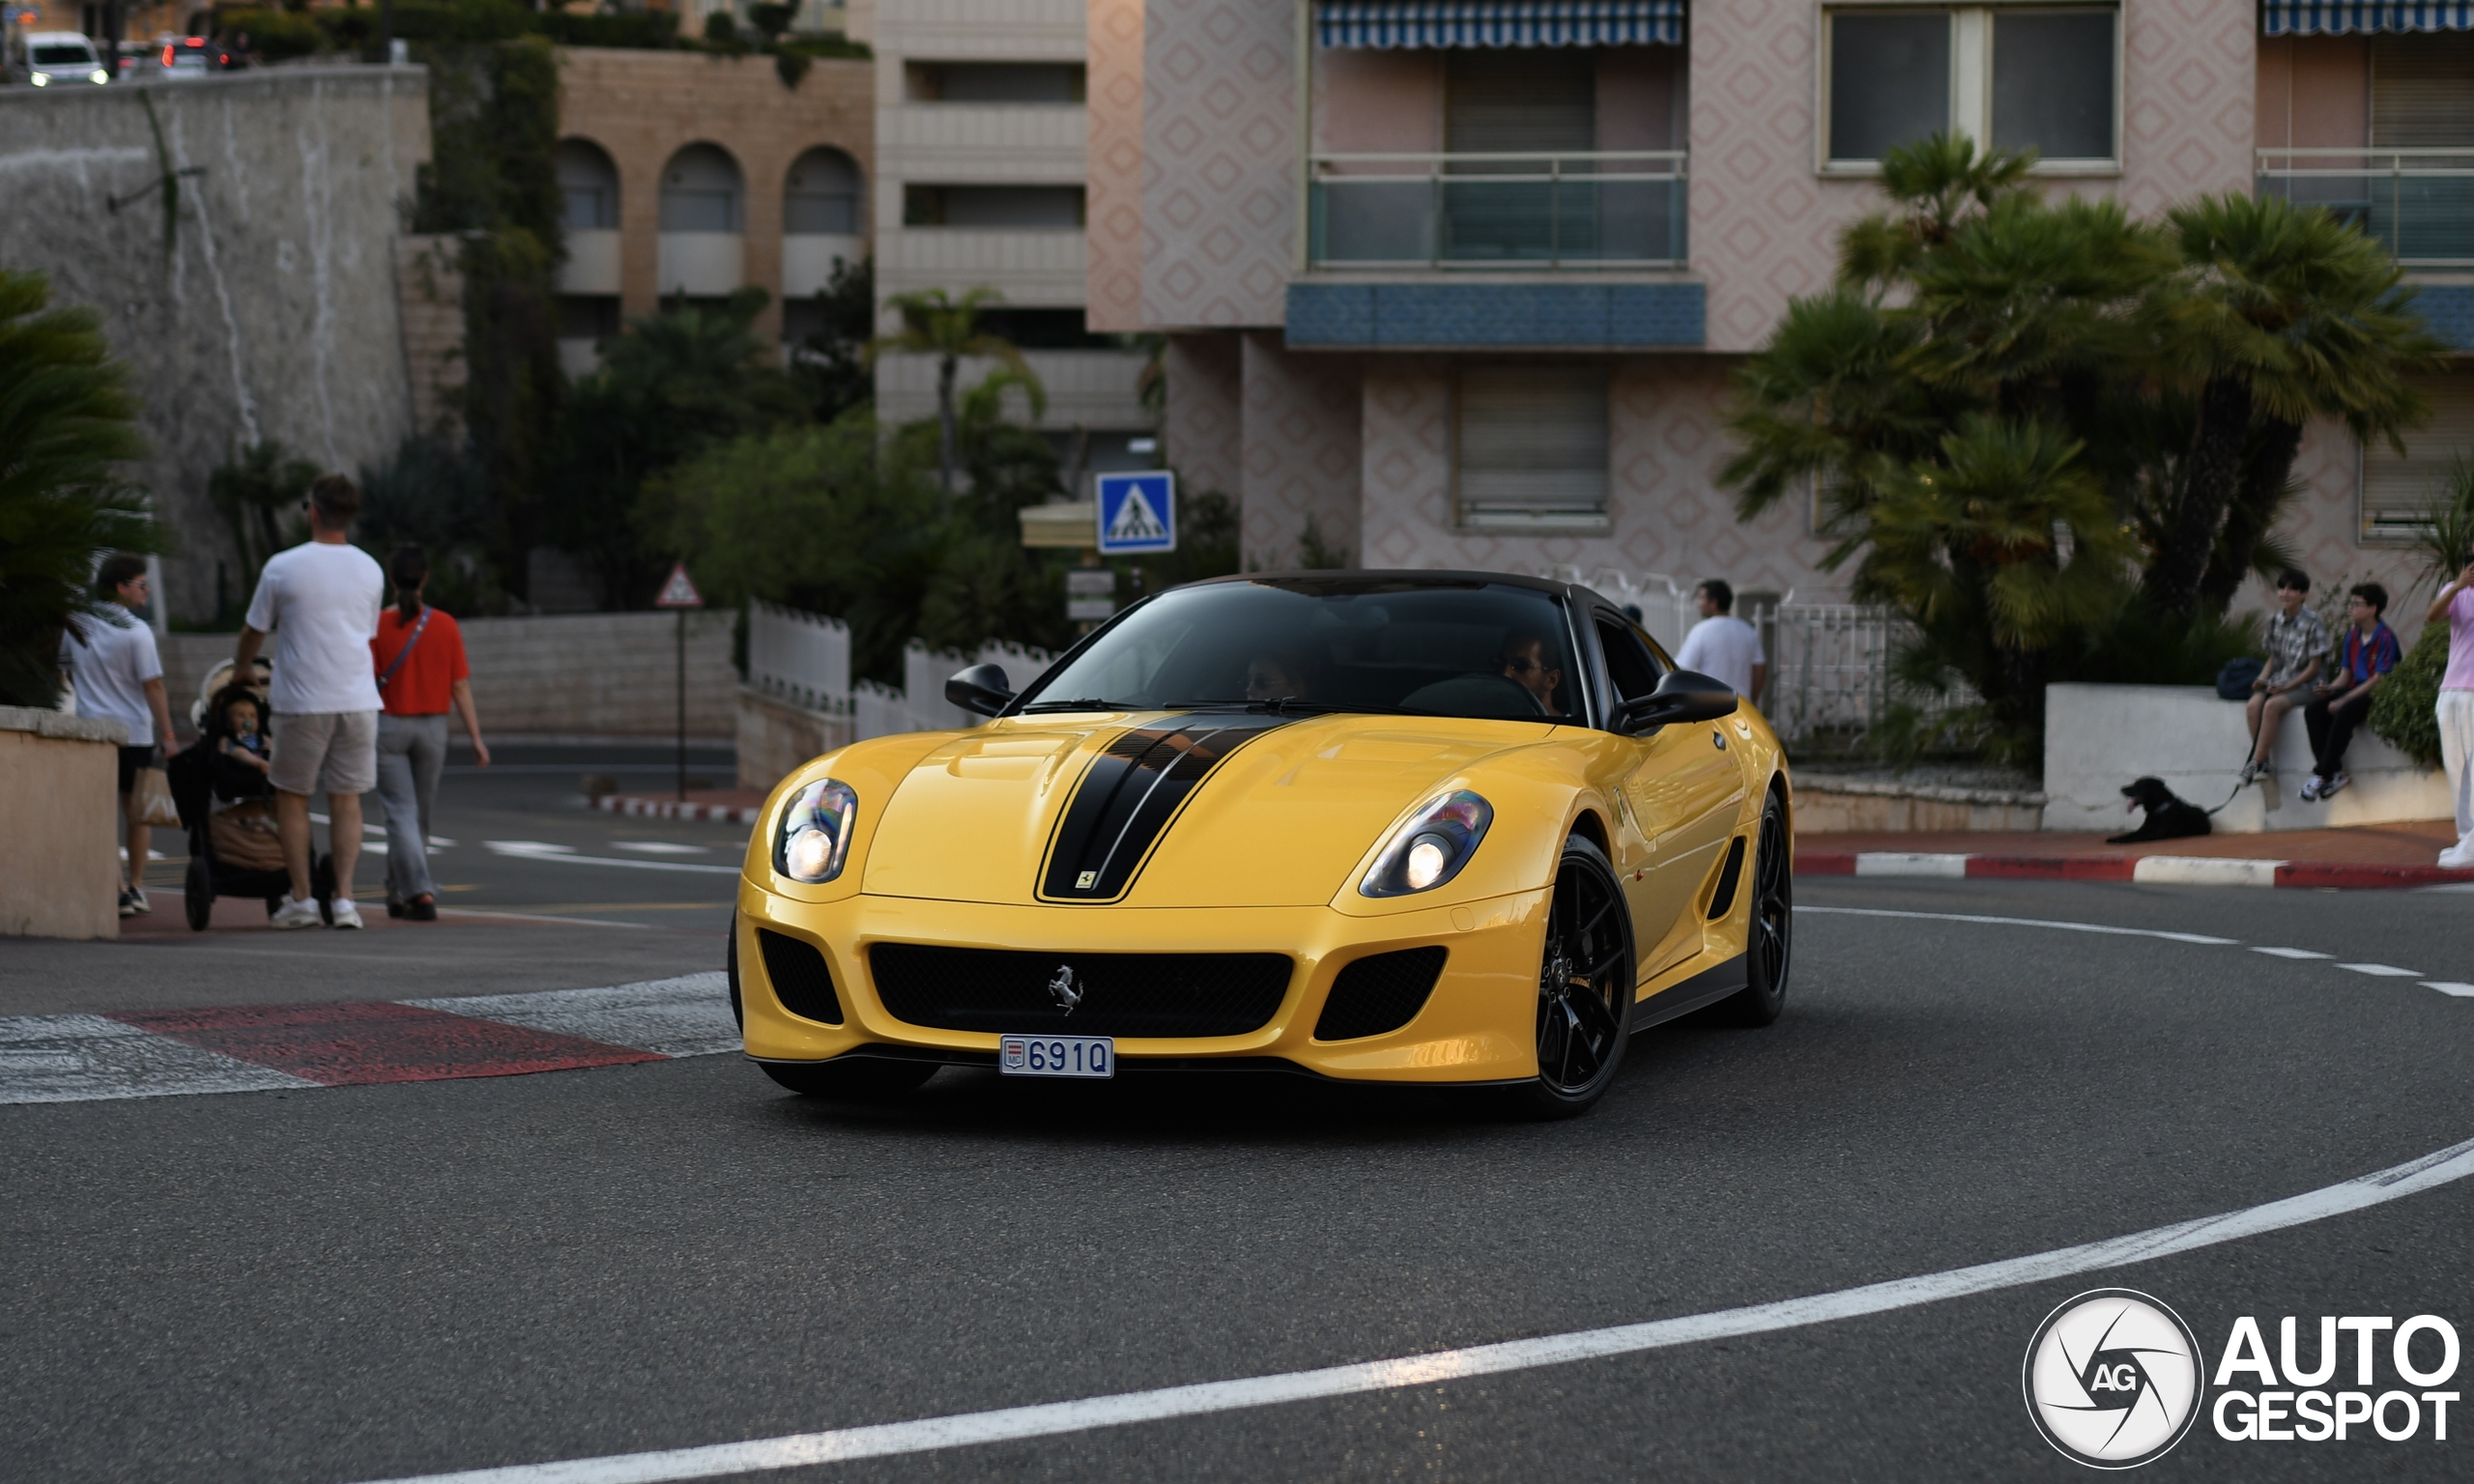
<point>1417,827</point>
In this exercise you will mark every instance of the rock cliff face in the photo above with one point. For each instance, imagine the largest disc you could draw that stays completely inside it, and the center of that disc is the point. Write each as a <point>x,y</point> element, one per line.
<point>256,299</point>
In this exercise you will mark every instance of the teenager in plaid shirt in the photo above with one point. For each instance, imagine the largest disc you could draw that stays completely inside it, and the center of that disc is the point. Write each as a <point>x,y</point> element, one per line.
<point>2369,651</point>
<point>2297,648</point>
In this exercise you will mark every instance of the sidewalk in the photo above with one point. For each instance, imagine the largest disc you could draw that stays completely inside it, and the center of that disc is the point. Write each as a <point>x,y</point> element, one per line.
<point>2384,855</point>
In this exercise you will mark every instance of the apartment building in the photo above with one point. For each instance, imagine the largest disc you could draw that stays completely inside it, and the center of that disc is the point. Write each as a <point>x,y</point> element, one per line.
<point>690,174</point>
<point>1462,282</point>
<point>980,181</point>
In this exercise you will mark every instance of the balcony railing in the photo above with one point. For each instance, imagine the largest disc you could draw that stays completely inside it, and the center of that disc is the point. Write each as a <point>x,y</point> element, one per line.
<point>1599,209</point>
<point>2420,203</point>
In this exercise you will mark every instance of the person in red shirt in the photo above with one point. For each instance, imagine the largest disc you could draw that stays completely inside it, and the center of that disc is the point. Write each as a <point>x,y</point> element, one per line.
<point>420,655</point>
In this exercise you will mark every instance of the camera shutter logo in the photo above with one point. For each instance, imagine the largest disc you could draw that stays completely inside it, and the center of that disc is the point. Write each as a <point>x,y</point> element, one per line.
<point>2112,1379</point>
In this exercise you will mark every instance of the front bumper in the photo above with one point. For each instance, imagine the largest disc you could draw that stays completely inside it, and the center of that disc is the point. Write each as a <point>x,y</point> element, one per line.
<point>1477,1025</point>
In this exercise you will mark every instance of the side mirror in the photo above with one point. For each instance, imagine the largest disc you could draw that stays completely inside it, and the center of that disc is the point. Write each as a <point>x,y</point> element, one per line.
<point>982,690</point>
<point>1682,697</point>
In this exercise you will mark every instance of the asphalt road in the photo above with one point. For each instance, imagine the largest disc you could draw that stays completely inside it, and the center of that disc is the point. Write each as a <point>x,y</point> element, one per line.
<point>372,1282</point>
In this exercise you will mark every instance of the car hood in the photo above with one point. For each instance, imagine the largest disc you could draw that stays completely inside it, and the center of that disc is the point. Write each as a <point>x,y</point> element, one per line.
<point>1164,809</point>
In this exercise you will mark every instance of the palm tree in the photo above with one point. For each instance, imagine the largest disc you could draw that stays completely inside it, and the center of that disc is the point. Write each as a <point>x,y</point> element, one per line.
<point>66,422</point>
<point>2280,313</point>
<point>934,323</point>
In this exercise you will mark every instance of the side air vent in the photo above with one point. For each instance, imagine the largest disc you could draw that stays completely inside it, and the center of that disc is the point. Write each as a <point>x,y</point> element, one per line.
<point>801,979</point>
<point>1380,993</point>
<point>1723,899</point>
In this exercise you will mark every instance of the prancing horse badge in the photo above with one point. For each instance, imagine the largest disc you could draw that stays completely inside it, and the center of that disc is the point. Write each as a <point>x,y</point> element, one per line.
<point>1062,987</point>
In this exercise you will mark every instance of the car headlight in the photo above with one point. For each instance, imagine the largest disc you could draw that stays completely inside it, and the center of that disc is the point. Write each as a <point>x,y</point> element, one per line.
<point>1431,847</point>
<point>100,76</point>
<point>814,838</point>
<point>43,80</point>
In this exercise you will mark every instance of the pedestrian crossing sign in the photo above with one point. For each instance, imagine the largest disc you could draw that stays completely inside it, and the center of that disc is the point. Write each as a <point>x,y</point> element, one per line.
<point>1137,513</point>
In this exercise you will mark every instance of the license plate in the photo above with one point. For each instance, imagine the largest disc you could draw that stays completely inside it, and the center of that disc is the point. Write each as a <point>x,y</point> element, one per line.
<point>1056,1056</point>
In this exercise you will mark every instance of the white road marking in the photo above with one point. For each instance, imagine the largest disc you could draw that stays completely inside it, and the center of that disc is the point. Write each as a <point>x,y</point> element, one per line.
<point>689,1016</point>
<point>2293,952</point>
<point>2382,970</point>
<point>1907,863</point>
<point>539,917</point>
<point>2028,922</point>
<point>89,1059</point>
<point>1049,1419</point>
<point>537,850</point>
<point>661,847</point>
<point>2449,987</point>
<point>2203,871</point>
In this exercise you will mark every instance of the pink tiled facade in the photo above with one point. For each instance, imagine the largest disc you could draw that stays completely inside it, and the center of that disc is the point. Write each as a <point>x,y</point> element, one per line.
<point>1197,102</point>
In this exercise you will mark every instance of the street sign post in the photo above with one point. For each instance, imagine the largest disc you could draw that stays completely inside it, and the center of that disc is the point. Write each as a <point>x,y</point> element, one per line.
<point>1137,513</point>
<point>1090,594</point>
<point>681,594</point>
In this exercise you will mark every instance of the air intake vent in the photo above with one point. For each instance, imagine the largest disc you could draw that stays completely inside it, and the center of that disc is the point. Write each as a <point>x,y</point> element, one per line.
<point>801,979</point>
<point>1380,993</point>
<point>1723,899</point>
<point>1090,994</point>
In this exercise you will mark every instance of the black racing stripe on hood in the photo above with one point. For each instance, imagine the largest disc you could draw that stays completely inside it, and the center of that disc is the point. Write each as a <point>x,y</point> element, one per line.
<point>1128,796</point>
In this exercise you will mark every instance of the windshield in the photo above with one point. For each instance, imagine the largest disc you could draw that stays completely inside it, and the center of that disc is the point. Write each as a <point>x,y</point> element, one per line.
<point>57,56</point>
<point>1430,649</point>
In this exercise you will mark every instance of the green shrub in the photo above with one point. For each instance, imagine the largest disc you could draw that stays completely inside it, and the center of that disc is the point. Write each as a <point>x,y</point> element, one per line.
<point>276,35</point>
<point>2404,706</point>
<point>646,30</point>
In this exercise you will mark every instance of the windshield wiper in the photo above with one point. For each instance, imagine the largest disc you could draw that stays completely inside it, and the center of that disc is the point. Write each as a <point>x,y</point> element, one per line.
<point>1290,706</point>
<point>1086,704</point>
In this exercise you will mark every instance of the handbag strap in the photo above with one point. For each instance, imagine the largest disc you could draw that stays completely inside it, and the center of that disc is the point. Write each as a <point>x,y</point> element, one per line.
<point>405,653</point>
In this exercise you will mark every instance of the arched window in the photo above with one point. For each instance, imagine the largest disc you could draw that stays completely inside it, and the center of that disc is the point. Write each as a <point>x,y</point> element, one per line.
<point>588,184</point>
<point>823,196</point>
<point>702,191</point>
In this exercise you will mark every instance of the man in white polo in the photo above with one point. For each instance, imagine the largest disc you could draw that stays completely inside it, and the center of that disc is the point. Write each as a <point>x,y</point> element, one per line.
<point>1723,646</point>
<point>319,600</point>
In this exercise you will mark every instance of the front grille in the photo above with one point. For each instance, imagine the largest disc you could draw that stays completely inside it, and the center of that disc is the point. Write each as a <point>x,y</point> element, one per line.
<point>1379,993</point>
<point>1121,995</point>
<point>801,979</point>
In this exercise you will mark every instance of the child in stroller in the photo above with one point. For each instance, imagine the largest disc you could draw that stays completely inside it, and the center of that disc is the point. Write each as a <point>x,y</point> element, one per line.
<point>226,804</point>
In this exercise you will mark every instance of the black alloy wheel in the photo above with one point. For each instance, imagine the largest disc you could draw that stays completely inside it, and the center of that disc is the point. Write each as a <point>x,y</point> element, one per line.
<point>1584,985</point>
<point>1770,934</point>
<point>851,1078</point>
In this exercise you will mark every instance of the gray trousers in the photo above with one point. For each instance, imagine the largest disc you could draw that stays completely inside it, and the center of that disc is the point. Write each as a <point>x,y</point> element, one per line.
<point>412,750</point>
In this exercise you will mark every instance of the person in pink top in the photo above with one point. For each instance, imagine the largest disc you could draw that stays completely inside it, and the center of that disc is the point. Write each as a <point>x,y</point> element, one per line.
<point>2455,603</point>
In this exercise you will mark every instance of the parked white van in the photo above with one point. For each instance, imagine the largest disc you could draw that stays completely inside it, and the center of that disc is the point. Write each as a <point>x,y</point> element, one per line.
<point>63,57</point>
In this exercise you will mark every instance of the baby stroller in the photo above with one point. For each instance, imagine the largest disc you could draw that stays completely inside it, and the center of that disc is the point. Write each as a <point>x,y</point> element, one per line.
<point>191,776</point>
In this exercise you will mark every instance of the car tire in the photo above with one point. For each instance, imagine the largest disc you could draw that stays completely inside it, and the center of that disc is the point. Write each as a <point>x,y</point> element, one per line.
<point>1585,987</point>
<point>851,1078</point>
<point>1770,934</point>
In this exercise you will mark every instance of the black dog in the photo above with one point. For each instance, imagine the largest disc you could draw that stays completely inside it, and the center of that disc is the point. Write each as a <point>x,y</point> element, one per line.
<point>2169,816</point>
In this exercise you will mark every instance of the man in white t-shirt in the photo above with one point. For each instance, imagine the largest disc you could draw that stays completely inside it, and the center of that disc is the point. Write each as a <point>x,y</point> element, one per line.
<point>116,675</point>
<point>1723,646</point>
<point>319,600</point>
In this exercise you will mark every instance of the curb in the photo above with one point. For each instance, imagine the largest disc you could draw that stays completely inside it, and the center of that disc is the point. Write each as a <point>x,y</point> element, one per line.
<point>2150,869</point>
<point>675,809</point>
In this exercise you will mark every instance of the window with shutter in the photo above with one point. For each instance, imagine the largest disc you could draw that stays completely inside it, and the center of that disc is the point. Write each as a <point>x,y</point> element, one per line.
<point>2422,98</point>
<point>1531,447</point>
<point>2399,491</point>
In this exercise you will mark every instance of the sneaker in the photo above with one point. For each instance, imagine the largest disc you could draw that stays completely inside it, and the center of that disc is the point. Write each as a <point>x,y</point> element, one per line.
<point>394,908</point>
<point>2459,856</point>
<point>2251,772</point>
<point>346,914</point>
<point>127,907</point>
<point>2329,785</point>
<point>295,914</point>
<point>2313,790</point>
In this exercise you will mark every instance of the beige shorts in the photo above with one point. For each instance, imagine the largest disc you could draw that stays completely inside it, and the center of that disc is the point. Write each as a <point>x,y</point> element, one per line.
<point>325,752</point>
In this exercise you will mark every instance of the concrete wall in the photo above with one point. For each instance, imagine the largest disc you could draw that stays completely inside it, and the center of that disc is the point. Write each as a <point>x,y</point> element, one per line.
<point>1112,200</point>
<point>60,874</point>
<point>1219,161</point>
<point>571,674</point>
<point>270,309</point>
<point>2099,737</point>
<point>776,737</point>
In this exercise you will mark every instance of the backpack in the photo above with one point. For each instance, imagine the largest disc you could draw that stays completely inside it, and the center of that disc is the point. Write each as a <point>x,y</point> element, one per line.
<point>2233,681</point>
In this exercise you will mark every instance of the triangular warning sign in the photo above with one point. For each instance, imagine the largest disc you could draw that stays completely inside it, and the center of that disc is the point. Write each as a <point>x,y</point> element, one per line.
<point>1136,520</point>
<point>678,591</point>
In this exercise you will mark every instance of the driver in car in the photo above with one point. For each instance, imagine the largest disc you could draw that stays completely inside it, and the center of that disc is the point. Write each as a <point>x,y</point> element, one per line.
<point>1528,662</point>
<point>1274,677</point>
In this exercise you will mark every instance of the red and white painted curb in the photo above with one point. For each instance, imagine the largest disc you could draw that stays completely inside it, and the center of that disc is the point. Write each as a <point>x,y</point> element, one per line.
<point>2152,870</point>
<point>675,808</point>
<point>160,1053</point>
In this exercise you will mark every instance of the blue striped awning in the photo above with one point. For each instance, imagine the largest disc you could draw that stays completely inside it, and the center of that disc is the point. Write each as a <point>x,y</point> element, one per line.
<point>1390,23</point>
<point>2335,17</point>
